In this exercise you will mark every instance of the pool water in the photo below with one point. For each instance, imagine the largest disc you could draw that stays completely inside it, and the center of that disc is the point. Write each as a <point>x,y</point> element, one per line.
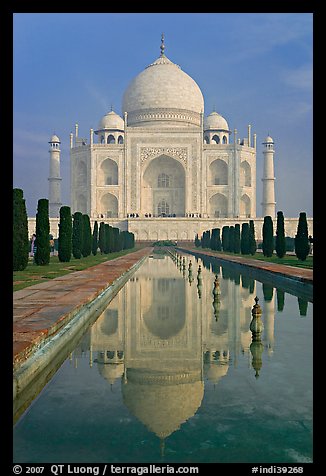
<point>168,374</point>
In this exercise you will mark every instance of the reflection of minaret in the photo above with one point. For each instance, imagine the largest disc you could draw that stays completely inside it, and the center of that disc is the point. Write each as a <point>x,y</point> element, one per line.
<point>269,316</point>
<point>268,179</point>
<point>54,178</point>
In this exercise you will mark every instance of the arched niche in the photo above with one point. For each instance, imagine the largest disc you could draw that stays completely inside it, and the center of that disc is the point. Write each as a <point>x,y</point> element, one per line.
<point>218,206</point>
<point>109,206</point>
<point>108,173</point>
<point>245,206</point>
<point>163,187</point>
<point>81,174</point>
<point>245,174</point>
<point>81,205</point>
<point>218,171</point>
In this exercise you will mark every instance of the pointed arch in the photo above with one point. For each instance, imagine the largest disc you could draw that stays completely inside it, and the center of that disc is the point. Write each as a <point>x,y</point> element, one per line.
<point>108,173</point>
<point>245,174</point>
<point>218,206</point>
<point>163,187</point>
<point>218,171</point>
<point>245,206</point>
<point>109,205</point>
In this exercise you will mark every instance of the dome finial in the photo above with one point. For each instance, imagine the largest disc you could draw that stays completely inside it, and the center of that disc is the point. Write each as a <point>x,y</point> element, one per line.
<point>162,45</point>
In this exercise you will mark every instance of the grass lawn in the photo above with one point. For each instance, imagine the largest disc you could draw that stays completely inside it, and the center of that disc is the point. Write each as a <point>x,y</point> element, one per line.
<point>289,260</point>
<point>34,274</point>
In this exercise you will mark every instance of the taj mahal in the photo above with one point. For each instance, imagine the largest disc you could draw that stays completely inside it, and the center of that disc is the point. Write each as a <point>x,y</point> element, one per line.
<point>165,170</point>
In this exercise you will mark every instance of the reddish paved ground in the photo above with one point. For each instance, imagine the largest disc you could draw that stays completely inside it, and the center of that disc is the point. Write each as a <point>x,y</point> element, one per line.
<point>301,274</point>
<point>39,311</point>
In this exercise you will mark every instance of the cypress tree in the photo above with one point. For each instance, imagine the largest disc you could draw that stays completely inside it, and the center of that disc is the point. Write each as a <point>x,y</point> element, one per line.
<point>42,255</point>
<point>87,236</point>
<point>252,239</point>
<point>245,233</point>
<point>212,243</point>
<point>215,241</point>
<point>268,238</point>
<point>301,240</point>
<point>116,239</point>
<point>218,240</point>
<point>280,245</point>
<point>95,239</point>
<point>107,244</point>
<point>131,240</point>
<point>77,235</point>
<point>101,237</point>
<point>65,235</point>
<point>197,241</point>
<point>226,238</point>
<point>237,238</point>
<point>20,231</point>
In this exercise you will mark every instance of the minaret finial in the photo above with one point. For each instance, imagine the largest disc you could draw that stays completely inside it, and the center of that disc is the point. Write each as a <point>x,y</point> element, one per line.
<point>162,45</point>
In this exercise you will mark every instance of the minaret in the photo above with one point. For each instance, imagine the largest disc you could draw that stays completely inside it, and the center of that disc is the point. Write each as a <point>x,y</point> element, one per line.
<point>268,179</point>
<point>54,178</point>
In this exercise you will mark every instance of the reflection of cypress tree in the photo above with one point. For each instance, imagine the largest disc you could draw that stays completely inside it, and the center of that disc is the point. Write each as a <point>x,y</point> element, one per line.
<point>268,292</point>
<point>252,286</point>
<point>245,281</point>
<point>215,268</point>
<point>303,306</point>
<point>206,263</point>
<point>236,277</point>
<point>225,273</point>
<point>280,294</point>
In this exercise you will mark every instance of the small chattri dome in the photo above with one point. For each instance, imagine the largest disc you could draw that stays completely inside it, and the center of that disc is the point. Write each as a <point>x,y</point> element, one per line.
<point>55,138</point>
<point>110,121</point>
<point>268,140</point>
<point>214,121</point>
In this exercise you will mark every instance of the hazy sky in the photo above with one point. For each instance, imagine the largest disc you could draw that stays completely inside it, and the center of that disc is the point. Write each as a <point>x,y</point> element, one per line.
<point>255,68</point>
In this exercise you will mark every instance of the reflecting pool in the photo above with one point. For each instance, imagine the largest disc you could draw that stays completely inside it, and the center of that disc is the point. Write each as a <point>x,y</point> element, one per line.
<point>170,372</point>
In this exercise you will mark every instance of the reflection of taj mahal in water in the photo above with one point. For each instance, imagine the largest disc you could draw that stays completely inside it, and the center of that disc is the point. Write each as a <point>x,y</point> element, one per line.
<point>163,341</point>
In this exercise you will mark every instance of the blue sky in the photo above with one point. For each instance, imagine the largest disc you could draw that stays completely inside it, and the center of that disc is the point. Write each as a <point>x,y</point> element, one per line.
<point>255,68</point>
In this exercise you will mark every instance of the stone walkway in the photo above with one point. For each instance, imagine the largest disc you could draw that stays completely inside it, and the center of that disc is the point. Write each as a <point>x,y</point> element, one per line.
<point>41,310</point>
<point>301,274</point>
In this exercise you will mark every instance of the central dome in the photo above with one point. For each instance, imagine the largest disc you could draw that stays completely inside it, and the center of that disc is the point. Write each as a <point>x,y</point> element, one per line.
<point>163,93</point>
